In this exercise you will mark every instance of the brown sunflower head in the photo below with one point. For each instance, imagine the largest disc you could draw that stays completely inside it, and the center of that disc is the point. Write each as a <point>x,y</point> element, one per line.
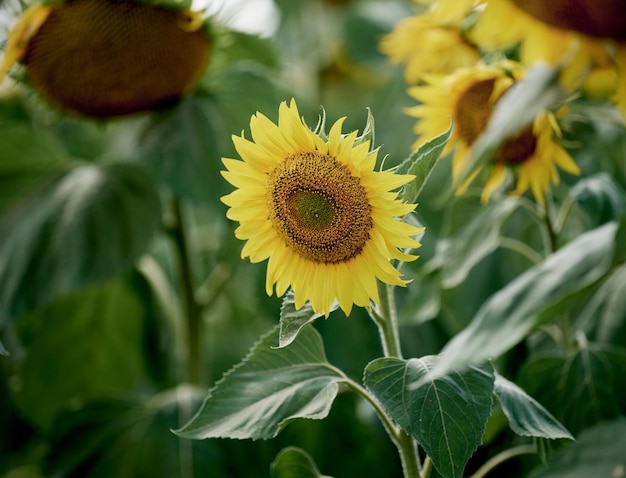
<point>108,58</point>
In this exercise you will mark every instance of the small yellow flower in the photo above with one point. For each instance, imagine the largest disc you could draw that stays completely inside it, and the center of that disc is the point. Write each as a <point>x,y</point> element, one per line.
<point>468,97</point>
<point>426,45</point>
<point>316,209</point>
<point>581,36</point>
<point>107,58</point>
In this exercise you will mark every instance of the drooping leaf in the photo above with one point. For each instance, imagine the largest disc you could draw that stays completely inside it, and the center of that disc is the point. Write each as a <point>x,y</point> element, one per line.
<point>292,320</point>
<point>447,415</point>
<point>598,452</point>
<point>88,224</point>
<point>293,462</point>
<point>532,298</point>
<point>514,111</point>
<point>80,347</point>
<point>479,237</point>
<point>267,390</point>
<point>526,416</point>
<point>421,163</point>
<point>582,388</point>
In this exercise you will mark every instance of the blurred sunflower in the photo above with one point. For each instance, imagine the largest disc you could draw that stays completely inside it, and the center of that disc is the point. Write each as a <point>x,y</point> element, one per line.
<point>107,58</point>
<point>427,46</point>
<point>318,211</point>
<point>468,97</point>
<point>582,36</point>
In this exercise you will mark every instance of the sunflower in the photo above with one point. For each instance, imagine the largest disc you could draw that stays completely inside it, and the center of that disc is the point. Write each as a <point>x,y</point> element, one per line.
<point>427,46</point>
<point>107,58</point>
<point>468,97</point>
<point>581,36</point>
<point>315,207</point>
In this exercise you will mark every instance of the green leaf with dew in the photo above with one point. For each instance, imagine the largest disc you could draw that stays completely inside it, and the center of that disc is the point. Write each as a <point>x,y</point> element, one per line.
<point>447,414</point>
<point>268,389</point>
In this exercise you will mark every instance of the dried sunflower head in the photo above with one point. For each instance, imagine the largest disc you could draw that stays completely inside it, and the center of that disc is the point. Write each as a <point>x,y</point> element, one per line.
<point>108,58</point>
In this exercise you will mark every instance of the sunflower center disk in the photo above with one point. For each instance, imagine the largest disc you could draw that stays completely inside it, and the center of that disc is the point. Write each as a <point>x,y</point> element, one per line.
<point>604,19</point>
<point>473,109</point>
<point>318,208</point>
<point>519,148</point>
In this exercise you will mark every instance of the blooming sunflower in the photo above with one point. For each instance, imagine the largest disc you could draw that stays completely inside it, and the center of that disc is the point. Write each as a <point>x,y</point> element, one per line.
<point>427,46</point>
<point>107,58</point>
<point>468,97</point>
<point>581,36</point>
<point>327,222</point>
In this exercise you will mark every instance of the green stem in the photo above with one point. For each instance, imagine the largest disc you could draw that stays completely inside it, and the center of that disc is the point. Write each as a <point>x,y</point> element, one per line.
<point>404,443</point>
<point>193,311</point>
<point>520,248</point>
<point>502,457</point>
<point>386,318</point>
<point>427,468</point>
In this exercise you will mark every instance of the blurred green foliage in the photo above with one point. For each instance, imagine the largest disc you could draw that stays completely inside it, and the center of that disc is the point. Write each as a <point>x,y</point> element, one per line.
<point>112,236</point>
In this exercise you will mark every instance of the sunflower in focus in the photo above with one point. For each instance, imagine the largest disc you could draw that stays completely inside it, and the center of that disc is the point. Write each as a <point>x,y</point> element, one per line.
<point>316,209</point>
<point>587,38</point>
<point>424,45</point>
<point>468,97</point>
<point>108,58</point>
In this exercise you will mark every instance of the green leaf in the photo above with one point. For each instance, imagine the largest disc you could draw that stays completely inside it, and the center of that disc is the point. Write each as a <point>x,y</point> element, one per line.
<point>131,437</point>
<point>89,224</point>
<point>182,147</point>
<point>598,452</point>
<point>530,299</point>
<point>25,159</point>
<point>421,163</point>
<point>268,389</point>
<point>473,242</point>
<point>83,346</point>
<point>292,321</point>
<point>526,416</point>
<point>582,388</point>
<point>368,133</point>
<point>514,111</point>
<point>447,415</point>
<point>600,198</point>
<point>293,462</point>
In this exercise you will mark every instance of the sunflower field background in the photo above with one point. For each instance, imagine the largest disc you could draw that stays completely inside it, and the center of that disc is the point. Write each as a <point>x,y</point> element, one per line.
<point>124,298</point>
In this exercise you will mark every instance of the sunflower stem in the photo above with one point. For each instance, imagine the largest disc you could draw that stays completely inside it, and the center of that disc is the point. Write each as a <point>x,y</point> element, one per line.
<point>386,318</point>
<point>193,310</point>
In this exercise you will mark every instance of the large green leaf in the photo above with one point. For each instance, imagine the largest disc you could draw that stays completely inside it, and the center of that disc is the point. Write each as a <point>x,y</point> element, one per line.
<point>292,320</point>
<point>82,346</point>
<point>294,462</point>
<point>268,389</point>
<point>479,237</point>
<point>25,159</point>
<point>532,298</point>
<point>89,224</point>
<point>421,163</point>
<point>599,452</point>
<point>526,416</point>
<point>447,415</point>
<point>582,388</point>
<point>183,145</point>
